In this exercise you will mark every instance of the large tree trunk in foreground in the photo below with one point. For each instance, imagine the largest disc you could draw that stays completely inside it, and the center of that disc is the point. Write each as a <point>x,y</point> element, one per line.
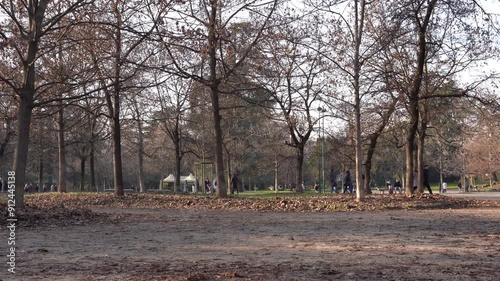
<point>21,153</point>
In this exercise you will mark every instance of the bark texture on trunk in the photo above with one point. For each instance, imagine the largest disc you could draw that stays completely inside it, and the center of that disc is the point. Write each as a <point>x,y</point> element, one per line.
<point>61,179</point>
<point>82,174</point>
<point>299,177</point>
<point>214,89</point>
<point>21,152</point>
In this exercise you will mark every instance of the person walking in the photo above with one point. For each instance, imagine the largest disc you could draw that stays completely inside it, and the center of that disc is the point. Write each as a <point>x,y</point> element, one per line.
<point>426,179</point>
<point>459,186</point>
<point>347,182</point>
<point>234,183</point>
<point>208,188</point>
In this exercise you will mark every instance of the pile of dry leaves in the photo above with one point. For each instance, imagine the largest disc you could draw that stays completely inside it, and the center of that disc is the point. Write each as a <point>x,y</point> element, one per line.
<point>63,209</point>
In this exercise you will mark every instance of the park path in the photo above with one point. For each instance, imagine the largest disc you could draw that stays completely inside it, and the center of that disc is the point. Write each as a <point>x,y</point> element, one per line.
<point>215,245</point>
<point>473,195</point>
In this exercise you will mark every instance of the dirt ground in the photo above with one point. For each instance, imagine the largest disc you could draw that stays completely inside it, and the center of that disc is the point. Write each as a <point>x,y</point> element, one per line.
<point>195,245</point>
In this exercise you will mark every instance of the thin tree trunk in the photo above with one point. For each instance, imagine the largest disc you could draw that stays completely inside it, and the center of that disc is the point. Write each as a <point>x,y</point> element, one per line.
<point>299,178</point>
<point>61,179</point>
<point>368,168</point>
<point>92,186</point>
<point>228,159</point>
<point>82,174</point>
<point>440,172</point>
<point>359,23</point>
<point>414,96</point>
<point>140,150</point>
<point>142,187</point>
<point>177,147</point>
<point>420,156</point>
<point>115,126</point>
<point>117,151</point>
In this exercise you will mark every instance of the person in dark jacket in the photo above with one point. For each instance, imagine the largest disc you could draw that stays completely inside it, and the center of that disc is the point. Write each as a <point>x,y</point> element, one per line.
<point>426,179</point>
<point>234,183</point>
<point>347,182</point>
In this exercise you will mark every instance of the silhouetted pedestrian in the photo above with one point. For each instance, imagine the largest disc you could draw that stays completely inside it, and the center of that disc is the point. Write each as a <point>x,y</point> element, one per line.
<point>426,179</point>
<point>347,182</point>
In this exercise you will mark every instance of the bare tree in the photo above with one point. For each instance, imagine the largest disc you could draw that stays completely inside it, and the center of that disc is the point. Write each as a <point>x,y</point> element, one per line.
<point>295,78</point>
<point>116,56</point>
<point>201,36</point>
<point>25,35</point>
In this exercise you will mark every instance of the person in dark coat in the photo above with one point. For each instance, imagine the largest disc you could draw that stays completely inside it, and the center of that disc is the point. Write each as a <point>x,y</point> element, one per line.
<point>234,183</point>
<point>347,182</point>
<point>426,179</point>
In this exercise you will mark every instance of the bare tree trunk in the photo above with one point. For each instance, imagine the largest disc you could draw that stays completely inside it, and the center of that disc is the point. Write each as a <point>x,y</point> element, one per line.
<point>368,166</point>
<point>409,152</point>
<point>115,110</point>
<point>359,23</point>
<point>40,171</point>
<point>92,184</point>
<point>140,150</point>
<point>228,159</point>
<point>440,172</point>
<point>177,147</point>
<point>420,156</point>
<point>142,187</point>
<point>117,150</point>
<point>299,178</point>
<point>61,179</point>
<point>214,87</point>
<point>21,153</point>
<point>82,174</point>
<point>414,96</point>
<point>26,98</point>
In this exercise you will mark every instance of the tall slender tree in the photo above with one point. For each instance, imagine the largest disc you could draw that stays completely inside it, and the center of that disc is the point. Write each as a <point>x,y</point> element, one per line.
<point>200,47</point>
<point>26,34</point>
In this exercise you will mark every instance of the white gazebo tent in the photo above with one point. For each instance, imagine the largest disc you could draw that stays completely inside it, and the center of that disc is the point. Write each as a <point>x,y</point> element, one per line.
<point>189,179</point>
<point>185,180</point>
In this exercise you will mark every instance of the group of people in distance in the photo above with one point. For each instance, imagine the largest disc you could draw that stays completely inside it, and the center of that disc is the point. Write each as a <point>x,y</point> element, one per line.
<point>348,185</point>
<point>29,187</point>
<point>212,187</point>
